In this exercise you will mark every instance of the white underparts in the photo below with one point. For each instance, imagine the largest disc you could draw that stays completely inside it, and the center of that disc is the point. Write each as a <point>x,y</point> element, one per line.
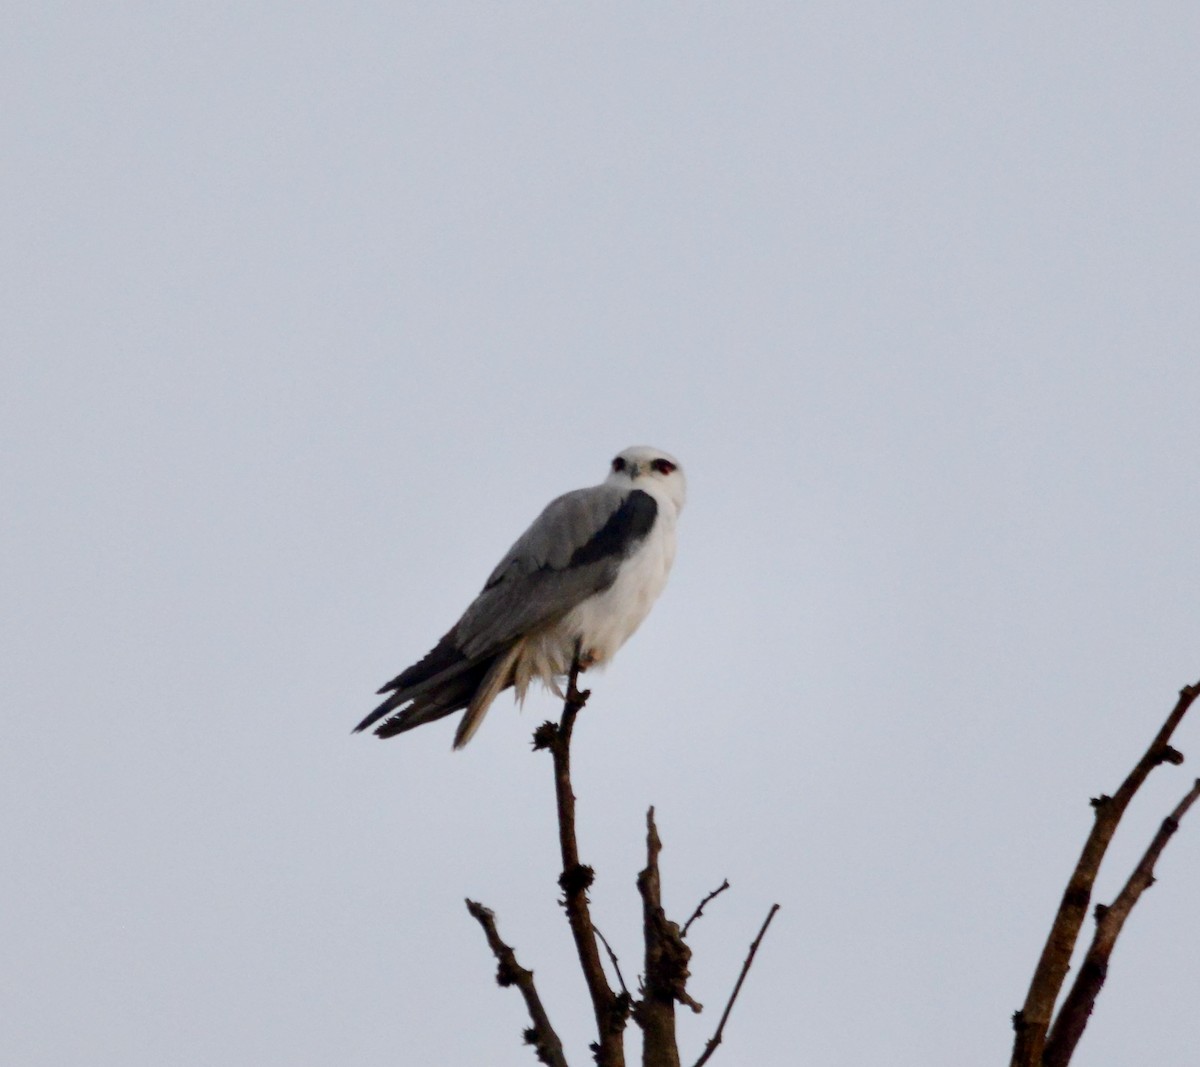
<point>605,621</point>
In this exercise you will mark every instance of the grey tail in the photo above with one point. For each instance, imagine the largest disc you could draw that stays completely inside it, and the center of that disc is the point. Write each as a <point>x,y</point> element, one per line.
<point>498,678</point>
<point>447,689</point>
<point>443,663</point>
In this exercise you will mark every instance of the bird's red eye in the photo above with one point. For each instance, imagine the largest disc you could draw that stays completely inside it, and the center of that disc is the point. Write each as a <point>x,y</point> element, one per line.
<point>663,466</point>
<point>618,464</point>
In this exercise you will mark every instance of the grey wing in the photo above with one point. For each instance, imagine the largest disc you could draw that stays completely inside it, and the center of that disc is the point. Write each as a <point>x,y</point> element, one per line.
<point>572,551</point>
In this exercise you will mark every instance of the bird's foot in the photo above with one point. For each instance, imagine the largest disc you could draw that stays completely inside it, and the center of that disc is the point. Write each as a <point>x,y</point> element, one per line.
<point>576,696</point>
<point>580,662</point>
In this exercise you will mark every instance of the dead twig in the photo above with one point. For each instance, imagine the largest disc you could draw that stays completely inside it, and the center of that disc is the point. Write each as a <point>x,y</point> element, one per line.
<point>509,972</point>
<point>1077,1007</point>
<point>700,907</point>
<point>666,964</point>
<point>1032,1022</point>
<point>611,1011</point>
<point>612,956</point>
<point>711,1045</point>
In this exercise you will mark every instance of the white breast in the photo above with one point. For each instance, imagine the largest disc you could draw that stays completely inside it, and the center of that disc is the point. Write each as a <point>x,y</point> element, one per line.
<point>608,619</point>
<point>605,621</point>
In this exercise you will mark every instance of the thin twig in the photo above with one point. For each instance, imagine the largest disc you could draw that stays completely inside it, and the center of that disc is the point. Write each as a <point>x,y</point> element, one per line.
<point>1032,1022</point>
<point>700,907</point>
<point>509,972</point>
<point>1073,1015</point>
<point>613,959</point>
<point>712,1043</point>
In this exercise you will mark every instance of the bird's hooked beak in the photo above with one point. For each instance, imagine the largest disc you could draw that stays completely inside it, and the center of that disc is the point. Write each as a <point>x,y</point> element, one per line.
<point>634,470</point>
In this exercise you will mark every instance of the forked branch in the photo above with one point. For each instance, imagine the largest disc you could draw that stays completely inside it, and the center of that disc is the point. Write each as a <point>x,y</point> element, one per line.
<point>1032,1022</point>
<point>664,983</point>
<point>1077,1008</point>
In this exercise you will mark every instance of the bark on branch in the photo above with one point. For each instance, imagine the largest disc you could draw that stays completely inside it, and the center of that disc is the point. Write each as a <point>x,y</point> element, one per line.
<point>664,983</point>
<point>541,1035</point>
<point>1077,1008</point>
<point>1032,1022</point>
<point>610,1009</point>
<point>666,967</point>
<point>711,1045</point>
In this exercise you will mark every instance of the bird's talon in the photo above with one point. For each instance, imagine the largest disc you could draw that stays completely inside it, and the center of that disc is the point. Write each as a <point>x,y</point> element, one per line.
<point>586,660</point>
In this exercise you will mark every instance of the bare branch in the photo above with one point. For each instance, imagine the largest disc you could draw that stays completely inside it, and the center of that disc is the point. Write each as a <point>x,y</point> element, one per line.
<point>611,1010</point>
<point>615,962</point>
<point>666,966</point>
<point>700,907</point>
<point>1032,1022</point>
<point>711,1045</point>
<point>1073,1015</point>
<point>541,1036</point>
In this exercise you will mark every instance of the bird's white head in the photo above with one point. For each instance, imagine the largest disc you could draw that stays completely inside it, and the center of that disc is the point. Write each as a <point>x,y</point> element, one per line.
<point>651,469</point>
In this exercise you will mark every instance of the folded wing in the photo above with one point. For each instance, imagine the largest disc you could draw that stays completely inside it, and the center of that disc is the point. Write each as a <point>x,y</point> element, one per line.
<point>572,551</point>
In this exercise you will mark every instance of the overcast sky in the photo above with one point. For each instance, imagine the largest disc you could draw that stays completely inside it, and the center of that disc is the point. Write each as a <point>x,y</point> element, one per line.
<point>309,309</point>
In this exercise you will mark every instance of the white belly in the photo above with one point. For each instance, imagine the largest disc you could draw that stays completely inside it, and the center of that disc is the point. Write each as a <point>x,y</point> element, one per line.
<point>607,620</point>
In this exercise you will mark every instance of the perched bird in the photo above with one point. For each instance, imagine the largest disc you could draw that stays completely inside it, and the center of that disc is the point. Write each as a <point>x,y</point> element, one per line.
<point>585,575</point>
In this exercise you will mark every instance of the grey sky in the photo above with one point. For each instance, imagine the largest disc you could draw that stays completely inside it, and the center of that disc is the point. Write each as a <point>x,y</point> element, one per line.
<point>308,312</point>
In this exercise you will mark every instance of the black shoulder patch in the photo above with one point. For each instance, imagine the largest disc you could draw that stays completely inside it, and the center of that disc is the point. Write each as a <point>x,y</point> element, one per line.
<point>625,527</point>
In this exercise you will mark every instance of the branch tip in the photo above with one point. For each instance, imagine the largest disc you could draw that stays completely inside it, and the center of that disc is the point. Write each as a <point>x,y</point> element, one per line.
<point>1063,1036</point>
<point>711,1045</point>
<point>1035,1045</point>
<point>700,907</point>
<point>541,1034</point>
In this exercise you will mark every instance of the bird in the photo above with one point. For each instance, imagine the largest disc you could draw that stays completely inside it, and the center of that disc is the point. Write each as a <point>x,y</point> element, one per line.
<point>578,582</point>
